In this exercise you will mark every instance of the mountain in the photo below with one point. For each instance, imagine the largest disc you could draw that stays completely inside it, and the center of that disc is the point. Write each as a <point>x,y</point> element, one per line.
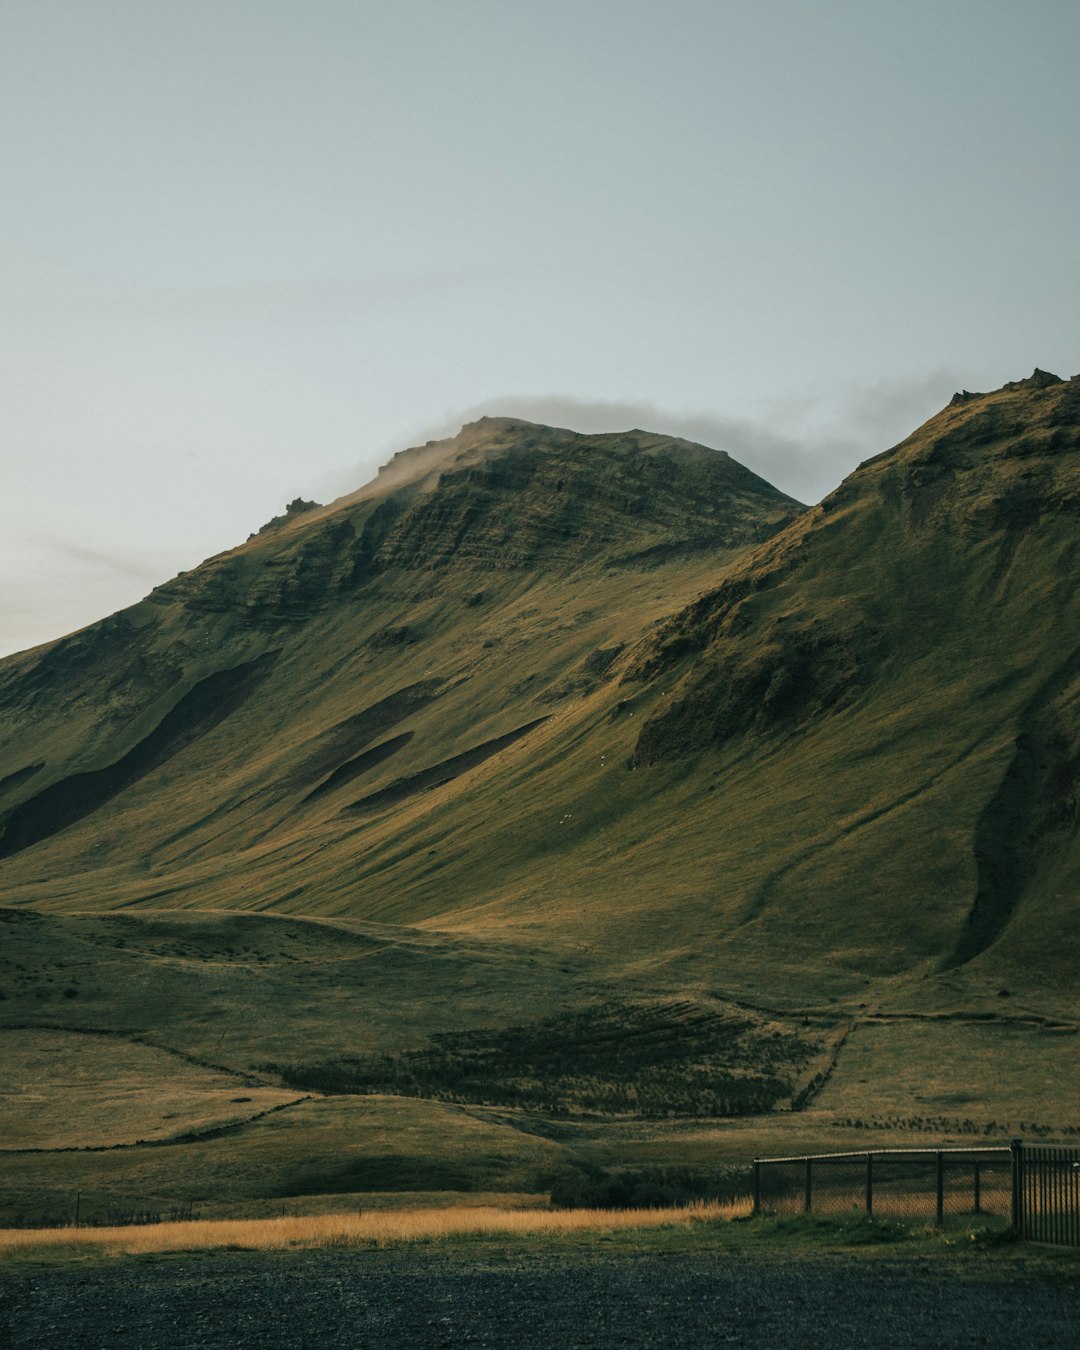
<point>471,594</point>
<point>598,742</point>
<point>903,665</point>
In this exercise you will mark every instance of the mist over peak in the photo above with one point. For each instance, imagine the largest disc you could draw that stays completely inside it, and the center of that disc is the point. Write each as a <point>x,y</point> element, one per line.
<point>804,444</point>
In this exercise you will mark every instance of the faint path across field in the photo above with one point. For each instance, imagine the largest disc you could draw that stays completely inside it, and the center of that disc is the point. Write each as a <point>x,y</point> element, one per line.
<point>377,1299</point>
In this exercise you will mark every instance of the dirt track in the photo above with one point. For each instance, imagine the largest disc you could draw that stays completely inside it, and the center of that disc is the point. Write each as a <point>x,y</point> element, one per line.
<point>421,1300</point>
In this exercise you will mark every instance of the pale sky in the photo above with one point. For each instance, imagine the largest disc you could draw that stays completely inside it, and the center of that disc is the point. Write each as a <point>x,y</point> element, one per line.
<point>250,248</point>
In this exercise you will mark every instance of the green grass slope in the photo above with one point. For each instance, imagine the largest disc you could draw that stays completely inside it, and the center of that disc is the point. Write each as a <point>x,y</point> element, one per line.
<point>586,777</point>
<point>478,698</point>
<point>264,732</point>
<point>900,673</point>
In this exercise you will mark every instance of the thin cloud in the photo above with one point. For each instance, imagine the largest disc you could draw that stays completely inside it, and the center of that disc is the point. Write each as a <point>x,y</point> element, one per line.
<point>806,447</point>
<point>64,551</point>
<point>51,586</point>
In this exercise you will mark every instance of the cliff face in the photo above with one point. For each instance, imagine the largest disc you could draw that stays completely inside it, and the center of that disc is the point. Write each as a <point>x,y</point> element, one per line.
<point>554,499</point>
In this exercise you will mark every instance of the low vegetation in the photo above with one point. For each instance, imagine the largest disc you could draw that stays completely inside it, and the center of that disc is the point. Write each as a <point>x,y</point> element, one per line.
<point>380,1229</point>
<point>647,1060</point>
<point>501,1234</point>
<point>648,1187</point>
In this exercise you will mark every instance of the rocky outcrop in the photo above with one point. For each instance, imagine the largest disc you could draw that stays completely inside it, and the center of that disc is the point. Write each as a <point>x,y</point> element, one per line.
<point>1038,379</point>
<point>556,499</point>
<point>783,678</point>
<point>296,508</point>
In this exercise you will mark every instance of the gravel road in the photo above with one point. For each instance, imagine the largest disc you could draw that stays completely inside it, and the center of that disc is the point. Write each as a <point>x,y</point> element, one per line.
<point>373,1299</point>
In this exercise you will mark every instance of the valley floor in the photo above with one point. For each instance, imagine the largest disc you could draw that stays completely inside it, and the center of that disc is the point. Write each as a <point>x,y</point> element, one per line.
<point>243,1066</point>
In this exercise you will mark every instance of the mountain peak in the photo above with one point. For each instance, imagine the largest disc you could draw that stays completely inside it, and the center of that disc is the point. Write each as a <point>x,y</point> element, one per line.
<point>505,492</point>
<point>502,495</point>
<point>1038,379</point>
<point>491,437</point>
<point>979,497</point>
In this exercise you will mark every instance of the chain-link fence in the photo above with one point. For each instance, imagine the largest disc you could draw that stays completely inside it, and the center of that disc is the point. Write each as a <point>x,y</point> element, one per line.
<point>930,1185</point>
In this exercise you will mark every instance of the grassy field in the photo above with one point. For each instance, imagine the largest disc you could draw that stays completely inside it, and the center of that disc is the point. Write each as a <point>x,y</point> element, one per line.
<point>526,1100</point>
<point>326,1146</point>
<point>378,1151</point>
<point>494,1236</point>
<point>989,1077</point>
<point>114,1091</point>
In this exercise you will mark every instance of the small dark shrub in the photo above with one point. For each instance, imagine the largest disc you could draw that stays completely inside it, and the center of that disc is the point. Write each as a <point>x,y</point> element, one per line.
<point>646,1188</point>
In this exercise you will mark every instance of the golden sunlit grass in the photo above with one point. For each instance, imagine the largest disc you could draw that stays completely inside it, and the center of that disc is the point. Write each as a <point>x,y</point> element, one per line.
<point>386,1229</point>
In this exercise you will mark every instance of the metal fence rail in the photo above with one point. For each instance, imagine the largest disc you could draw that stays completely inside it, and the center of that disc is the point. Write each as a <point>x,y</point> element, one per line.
<point>932,1185</point>
<point>1034,1187</point>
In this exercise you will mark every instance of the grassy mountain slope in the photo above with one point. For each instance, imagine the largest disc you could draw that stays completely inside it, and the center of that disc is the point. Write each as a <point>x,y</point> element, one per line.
<point>902,665</point>
<point>284,727</point>
<point>592,741</point>
<point>450,701</point>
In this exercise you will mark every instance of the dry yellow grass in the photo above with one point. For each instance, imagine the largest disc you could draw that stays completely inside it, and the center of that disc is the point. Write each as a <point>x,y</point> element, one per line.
<point>385,1229</point>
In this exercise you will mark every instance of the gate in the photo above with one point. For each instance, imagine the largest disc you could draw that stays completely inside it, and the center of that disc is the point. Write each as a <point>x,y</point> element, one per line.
<point>1046,1193</point>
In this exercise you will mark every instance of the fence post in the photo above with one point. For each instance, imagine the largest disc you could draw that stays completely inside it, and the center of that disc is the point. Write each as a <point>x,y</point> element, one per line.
<point>940,1189</point>
<point>870,1185</point>
<point>808,1192</point>
<point>978,1189</point>
<point>757,1185</point>
<point>1016,1147</point>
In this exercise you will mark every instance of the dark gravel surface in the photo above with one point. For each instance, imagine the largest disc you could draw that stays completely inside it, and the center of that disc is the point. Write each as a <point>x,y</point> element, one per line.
<point>375,1299</point>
